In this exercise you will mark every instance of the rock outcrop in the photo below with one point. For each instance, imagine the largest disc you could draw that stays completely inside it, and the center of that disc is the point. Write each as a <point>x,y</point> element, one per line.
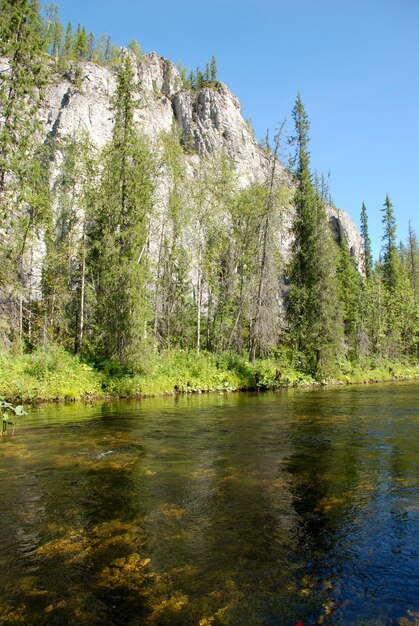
<point>210,120</point>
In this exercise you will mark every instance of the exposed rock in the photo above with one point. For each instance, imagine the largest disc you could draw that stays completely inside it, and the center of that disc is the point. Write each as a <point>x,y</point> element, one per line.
<point>343,228</point>
<point>210,121</point>
<point>158,76</point>
<point>68,109</point>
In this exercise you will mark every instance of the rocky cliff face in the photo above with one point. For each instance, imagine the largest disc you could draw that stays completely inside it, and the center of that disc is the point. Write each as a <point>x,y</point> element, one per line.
<point>210,120</point>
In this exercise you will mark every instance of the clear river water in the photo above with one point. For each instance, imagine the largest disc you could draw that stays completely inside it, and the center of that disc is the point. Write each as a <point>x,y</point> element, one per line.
<point>249,509</point>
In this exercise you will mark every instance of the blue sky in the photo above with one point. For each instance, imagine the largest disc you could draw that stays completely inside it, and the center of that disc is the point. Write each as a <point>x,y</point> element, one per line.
<point>354,62</point>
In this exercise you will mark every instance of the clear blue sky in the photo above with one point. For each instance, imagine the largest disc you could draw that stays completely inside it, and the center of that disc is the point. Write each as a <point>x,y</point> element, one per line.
<point>355,63</point>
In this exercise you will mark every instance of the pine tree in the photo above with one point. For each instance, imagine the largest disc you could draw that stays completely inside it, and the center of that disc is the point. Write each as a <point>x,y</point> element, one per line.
<point>366,242</point>
<point>399,296</point>
<point>314,309</point>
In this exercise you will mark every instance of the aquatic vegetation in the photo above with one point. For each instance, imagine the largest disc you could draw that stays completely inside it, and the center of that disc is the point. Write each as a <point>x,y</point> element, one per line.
<point>9,412</point>
<point>213,510</point>
<point>13,615</point>
<point>131,573</point>
<point>325,505</point>
<point>172,511</point>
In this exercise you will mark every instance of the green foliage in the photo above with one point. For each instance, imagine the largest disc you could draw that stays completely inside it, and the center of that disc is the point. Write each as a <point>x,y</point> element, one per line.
<point>8,412</point>
<point>24,189</point>
<point>81,43</point>
<point>389,250</point>
<point>69,44</point>
<point>51,374</point>
<point>135,48</point>
<point>21,42</point>
<point>118,240</point>
<point>173,324</point>
<point>199,79</point>
<point>53,31</point>
<point>141,282</point>
<point>65,44</point>
<point>366,242</point>
<point>184,371</point>
<point>374,370</point>
<point>350,294</point>
<point>314,308</point>
<point>64,267</point>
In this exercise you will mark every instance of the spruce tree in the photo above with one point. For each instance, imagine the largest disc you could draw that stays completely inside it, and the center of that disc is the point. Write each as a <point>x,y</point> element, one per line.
<point>81,43</point>
<point>350,286</point>
<point>213,69</point>
<point>91,48</point>
<point>366,242</point>
<point>399,296</point>
<point>413,259</point>
<point>68,46</point>
<point>24,192</point>
<point>118,240</point>
<point>21,43</point>
<point>390,258</point>
<point>314,308</point>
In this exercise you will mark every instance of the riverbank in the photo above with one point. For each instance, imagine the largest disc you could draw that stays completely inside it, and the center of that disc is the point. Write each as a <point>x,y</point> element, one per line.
<point>55,375</point>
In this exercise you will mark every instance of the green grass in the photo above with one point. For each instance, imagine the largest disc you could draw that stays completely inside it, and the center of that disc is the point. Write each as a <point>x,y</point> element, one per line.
<point>56,375</point>
<point>47,375</point>
<point>374,371</point>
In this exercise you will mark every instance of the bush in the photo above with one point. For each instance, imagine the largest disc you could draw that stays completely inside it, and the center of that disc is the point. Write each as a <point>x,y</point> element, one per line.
<point>50,374</point>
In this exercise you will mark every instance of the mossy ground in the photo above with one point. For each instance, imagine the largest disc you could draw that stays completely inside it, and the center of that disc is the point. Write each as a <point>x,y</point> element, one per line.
<point>55,375</point>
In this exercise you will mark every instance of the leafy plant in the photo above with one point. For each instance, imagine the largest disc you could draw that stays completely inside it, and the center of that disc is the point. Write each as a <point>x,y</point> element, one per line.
<point>7,412</point>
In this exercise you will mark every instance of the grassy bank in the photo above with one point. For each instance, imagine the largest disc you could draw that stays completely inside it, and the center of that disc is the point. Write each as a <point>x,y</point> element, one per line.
<point>56,375</point>
<point>47,375</point>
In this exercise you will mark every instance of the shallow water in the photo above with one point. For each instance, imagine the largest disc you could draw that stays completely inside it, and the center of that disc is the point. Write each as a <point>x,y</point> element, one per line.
<point>239,509</point>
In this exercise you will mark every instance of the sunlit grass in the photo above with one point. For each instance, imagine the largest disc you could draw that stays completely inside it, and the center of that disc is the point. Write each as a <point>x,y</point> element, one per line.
<point>53,374</point>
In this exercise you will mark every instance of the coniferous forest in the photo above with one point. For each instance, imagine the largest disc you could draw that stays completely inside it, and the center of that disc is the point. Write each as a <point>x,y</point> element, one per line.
<point>214,305</point>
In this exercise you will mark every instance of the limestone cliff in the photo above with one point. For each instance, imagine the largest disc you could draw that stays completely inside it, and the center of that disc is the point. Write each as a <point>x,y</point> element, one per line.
<point>210,120</point>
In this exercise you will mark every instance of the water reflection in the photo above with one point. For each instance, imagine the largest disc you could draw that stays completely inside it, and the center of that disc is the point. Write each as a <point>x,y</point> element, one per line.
<point>240,509</point>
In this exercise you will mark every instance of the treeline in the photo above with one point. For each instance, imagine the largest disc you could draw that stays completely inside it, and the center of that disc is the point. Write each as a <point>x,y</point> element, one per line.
<point>73,43</point>
<point>67,43</point>
<point>112,266</point>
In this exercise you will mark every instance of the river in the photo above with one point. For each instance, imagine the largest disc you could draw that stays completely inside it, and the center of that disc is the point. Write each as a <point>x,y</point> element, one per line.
<point>240,509</point>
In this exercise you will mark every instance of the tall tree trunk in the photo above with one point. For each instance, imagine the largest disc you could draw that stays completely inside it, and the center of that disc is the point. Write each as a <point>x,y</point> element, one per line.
<point>198,322</point>
<point>80,314</point>
<point>269,205</point>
